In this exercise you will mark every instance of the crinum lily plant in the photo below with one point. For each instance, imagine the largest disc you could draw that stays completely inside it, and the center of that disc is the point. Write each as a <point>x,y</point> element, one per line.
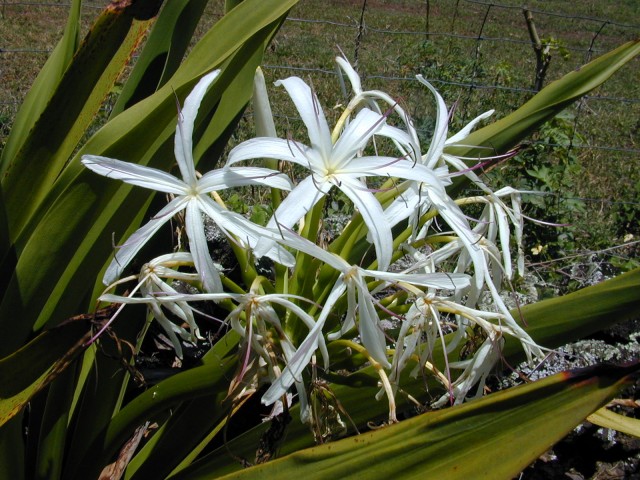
<point>408,266</point>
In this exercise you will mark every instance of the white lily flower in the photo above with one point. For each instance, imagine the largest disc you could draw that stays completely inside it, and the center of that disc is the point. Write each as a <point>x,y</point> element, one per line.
<point>409,144</point>
<point>476,370</point>
<point>360,303</point>
<point>335,165</point>
<point>152,282</point>
<point>190,194</point>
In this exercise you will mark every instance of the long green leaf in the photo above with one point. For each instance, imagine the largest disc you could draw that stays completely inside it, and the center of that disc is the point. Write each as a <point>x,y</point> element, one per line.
<point>44,87</point>
<point>495,437</point>
<point>162,52</point>
<point>31,172</point>
<point>33,367</point>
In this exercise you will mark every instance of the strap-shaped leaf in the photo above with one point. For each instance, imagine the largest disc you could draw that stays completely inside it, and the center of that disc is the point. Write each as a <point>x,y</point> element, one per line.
<point>44,86</point>
<point>66,245</point>
<point>30,173</point>
<point>34,366</point>
<point>495,437</point>
<point>162,52</point>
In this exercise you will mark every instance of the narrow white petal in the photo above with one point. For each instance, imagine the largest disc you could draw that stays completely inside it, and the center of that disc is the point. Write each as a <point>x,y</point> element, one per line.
<point>298,202</point>
<point>355,136</point>
<point>464,133</point>
<point>298,362</point>
<point>242,176</point>
<point>199,249</point>
<point>439,139</point>
<point>369,326</point>
<point>352,75</point>
<point>184,131</point>
<point>295,367</point>
<point>311,113</point>
<point>276,148</point>
<point>441,281</point>
<point>403,206</point>
<point>135,242</point>
<point>133,174</point>
<point>373,217</point>
<point>245,231</point>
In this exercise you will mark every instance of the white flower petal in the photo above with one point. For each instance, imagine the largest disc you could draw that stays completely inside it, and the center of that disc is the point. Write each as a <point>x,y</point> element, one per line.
<point>354,137</point>
<point>135,242</point>
<point>439,139</point>
<point>369,327</point>
<point>242,176</point>
<point>298,362</point>
<point>352,75</point>
<point>464,133</point>
<point>373,217</point>
<point>441,281</point>
<point>184,132</point>
<point>299,201</point>
<point>133,174</point>
<point>311,113</point>
<point>209,274</point>
<point>276,148</point>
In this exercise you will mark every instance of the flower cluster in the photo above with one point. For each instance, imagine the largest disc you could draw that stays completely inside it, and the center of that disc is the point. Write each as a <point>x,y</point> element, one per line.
<point>353,289</point>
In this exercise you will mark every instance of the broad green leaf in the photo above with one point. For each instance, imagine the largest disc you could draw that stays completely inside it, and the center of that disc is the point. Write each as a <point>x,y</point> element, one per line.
<point>493,437</point>
<point>44,87</point>
<point>210,379</point>
<point>30,369</point>
<point>31,172</point>
<point>190,424</point>
<point>162,52</point>
<point>608,419</point>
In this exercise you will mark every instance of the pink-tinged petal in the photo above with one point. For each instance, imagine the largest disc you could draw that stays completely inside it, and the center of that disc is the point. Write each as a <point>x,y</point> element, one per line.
<point>183,147</point>
<point>299,201</point>
<point>133,174</point>
<point>135,242</point>
<point>311,113</point>
<point>373,217</point>
<point>354,137</point>
<point>276,148</point>
<point>199,249</point>
<point>242,176</point>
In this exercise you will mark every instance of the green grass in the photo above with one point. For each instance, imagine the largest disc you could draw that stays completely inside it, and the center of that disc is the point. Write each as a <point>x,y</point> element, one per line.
<point>504,58</point>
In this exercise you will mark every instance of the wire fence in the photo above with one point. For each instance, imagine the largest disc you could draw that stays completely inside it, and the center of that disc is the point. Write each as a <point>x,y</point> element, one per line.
<point>478,53</point>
